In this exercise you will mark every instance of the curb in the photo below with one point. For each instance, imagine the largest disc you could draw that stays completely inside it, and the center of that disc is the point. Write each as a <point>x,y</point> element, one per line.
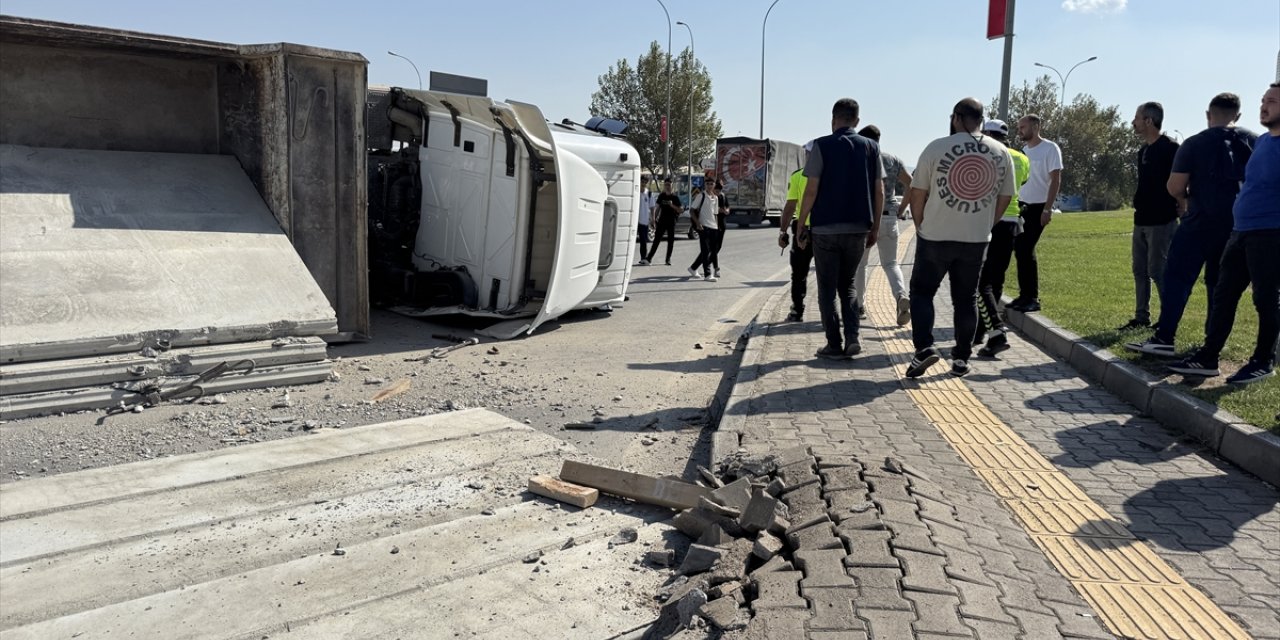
<point>732,420</point>
<point>1227,435</point>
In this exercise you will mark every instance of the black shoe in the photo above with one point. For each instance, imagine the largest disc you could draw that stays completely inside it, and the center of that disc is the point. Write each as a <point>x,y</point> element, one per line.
<point>999,343</point>
<point>1195,367</point>
<point>852,349</point>
<point>921,362</point>
<point>1133,324</point>
<point>1250,373</point>
<point>1024,305</point>
<point>1153,346</point>
<point>795,315</point>
<point>831,352</point>
<point>960,368</point>
<point>862,312</point>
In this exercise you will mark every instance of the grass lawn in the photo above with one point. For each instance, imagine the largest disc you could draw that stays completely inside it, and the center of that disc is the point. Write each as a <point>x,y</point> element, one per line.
<point>1086,283</point>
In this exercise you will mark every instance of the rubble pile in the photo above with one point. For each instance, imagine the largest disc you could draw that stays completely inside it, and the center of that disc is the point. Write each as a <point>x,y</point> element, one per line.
<point>744,535</point>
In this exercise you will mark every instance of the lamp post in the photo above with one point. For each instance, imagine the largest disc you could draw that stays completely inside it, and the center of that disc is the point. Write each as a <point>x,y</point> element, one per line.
<point>762,31</point>
<point>666,152</point>
<point>692,62</point>
<point>1063,79</point>
<point>415,67</point>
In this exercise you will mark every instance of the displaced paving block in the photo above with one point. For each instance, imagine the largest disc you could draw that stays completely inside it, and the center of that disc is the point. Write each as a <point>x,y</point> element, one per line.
<point>664,492</point>
<point>777,563</point>
<point>843,479</point>
<point>868,548</point>
<point>733,563</point>
<point>925,573</point>
<point>759,512</point>
<point>723,613</point>
<point>661,557</point>
<point>736,494</point>
<point>823,568</point>
<point>714,536</point>
<point>695,522</point>
<point>788,457</point>
<point>699,558</point>
<point>725,589</point>
<point>778,590</point>
<point>566,492</point>
<point>766,546</point>
<point>689,605</point>
<point>822,536</point>
<point>712,507</point>
<point>775,487</point>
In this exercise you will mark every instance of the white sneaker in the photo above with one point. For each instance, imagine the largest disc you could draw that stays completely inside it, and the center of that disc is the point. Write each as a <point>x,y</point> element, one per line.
<point>693,273</point>
<point>904,311</point>
<point>717,273</point>
<point>710,278</point>
<point>644,263</point>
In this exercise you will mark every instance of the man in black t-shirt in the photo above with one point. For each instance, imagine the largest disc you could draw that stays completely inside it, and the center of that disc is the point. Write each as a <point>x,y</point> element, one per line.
<point>1206,176</point>
<point>1155,212</point>
<point>668,212</point>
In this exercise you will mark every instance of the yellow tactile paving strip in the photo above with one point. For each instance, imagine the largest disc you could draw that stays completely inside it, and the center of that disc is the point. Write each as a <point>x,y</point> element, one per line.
<point>1134,592</point>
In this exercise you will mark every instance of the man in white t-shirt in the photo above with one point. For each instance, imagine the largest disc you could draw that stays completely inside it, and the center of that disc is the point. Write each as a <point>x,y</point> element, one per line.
<point>960,190</point>
<point>1036,197</point>
<point>646,212</point>
<point>703,208</point>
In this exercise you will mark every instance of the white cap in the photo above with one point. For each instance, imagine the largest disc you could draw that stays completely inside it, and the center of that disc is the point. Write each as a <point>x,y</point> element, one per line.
<point>996,126</point>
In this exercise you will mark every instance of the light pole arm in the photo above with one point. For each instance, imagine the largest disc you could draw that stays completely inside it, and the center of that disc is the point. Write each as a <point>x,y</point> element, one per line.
<point>415,67</point>
<point>763,25</point>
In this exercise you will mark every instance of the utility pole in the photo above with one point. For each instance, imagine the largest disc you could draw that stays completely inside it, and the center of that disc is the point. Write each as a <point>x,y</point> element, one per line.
<point>1008,60</point>
<point>693,63</point>
<point>666,143</point>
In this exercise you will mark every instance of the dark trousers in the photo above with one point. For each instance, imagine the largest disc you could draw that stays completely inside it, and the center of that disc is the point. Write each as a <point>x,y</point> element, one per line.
<point>642,234</point>
<point>666,227</point>
<point>708,245</point>
<point>1196,245</point>
<point>991,279</point>
<point>961,263</point>
<point>801,260</point>
<point>1024,248</point>
<point>717,241</point>
<point>1250,258</point>
<point>836,257</point>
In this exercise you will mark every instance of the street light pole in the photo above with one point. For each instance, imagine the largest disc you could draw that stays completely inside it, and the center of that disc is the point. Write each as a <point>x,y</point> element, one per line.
<point>415,67</point>
<point>1063,79</point>
<point>666,153</point>
<point>762,32</point>
<point>693,61</point>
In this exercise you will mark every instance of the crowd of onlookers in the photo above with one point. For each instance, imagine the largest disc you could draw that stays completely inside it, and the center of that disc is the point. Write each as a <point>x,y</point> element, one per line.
<point>1211,204</point>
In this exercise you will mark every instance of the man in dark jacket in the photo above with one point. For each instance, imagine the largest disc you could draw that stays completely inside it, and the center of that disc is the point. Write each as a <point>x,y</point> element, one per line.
<point>839,215</point>
<point>1155,212</point>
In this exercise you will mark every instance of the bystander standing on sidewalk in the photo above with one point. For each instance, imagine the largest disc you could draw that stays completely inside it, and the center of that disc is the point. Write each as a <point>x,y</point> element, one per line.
<point>1036,199</point>
<point>1205,179</point>
<point>839,214</point>
<point>962,186</point>
<point>646,212</point>
<point>895,208</point>
<point>668,212</point>
<point>704,208</point>
<point>1251,257</point>
<point>1155,212</point>
<point>991,327</point>
<point>801,257</point>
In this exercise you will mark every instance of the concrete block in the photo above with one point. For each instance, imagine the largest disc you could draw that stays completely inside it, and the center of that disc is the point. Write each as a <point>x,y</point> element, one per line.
<point>868,548</point>
<point>1192,416</point>
<point>1131,383</point>
<point>733,563</point>
<point>843,479</point>
<point>833,609</point>
<point>1090,359</point>
<point>766,546</point>
<point>661,557</point>
<point>1253,450</point>
<point>819,537</point>
<point>723,613</point>
<point>736,494</point>
<point>1059,342</point>
<point>566,492</point>
<point>791,456</point>
<point>714,536</point>
<point>777,563</point>
<point>823,568</point>
<point>712,506</point>
<point>759,512</point>
<point>778,590</point>
<point>700,558</point>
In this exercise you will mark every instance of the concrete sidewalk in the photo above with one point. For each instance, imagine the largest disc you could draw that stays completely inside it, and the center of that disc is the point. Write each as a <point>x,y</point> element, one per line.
<point>1021,501</point>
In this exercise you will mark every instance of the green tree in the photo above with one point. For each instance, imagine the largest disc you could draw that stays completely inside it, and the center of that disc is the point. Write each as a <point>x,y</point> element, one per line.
<point>1098,145</point>
<point>638,95</point>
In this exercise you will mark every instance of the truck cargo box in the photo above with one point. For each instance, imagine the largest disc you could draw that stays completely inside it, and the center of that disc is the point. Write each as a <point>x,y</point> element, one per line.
<point>755,174</point>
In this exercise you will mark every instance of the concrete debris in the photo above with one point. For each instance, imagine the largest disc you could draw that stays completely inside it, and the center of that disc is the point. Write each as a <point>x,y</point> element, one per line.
<point>568,544</point>
<point>373,381</point>
<point>566,492</point>
<point>626,536</point>
<point>533,557</point>
<point>699,559</point>
<point>660,558</point>
<point>690,605</point>
<point>709,477</point>
<point>723,613</point>
<point>766,546</point>
<point>717,509</point>
<point>579,426</point>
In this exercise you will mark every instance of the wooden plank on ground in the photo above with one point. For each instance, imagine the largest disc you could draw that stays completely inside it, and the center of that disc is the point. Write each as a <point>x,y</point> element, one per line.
<point>567,492</point>
<point>663,492</point>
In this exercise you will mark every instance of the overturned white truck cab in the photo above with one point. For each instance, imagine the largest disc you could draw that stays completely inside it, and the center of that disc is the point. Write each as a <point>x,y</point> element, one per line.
<point>479,207</point>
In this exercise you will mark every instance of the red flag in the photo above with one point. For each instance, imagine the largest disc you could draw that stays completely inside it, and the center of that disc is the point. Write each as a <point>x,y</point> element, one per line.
<point>996,18</point>
<point>664,129</point>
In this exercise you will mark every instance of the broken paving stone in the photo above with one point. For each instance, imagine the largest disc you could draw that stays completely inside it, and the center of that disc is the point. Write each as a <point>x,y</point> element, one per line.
<point>714,536</point>
<point>339,552</point>
<point>710,477</point>
<point>533,557</point>
<point>395,550</point>
<point>364,367</point>
<point>767,546</point>
<point>723,613</point>
<point>626,536</point>
<point>699,558</point>
<point>673,587</point>
<point>661,557</point>
<point>373,381</point>
<point>717,509</point>
<point>760,512</point>
<point>488,511</point>
<point>568,544</point>
<point>689,606</point>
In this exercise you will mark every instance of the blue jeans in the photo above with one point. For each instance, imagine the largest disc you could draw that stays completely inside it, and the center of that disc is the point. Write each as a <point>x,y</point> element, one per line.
<point>836,258</point>
<point>961,263</point>
<point>1196,245</point>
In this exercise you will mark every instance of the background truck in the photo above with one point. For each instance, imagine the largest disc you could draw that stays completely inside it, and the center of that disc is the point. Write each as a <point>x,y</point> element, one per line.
<point>755,174</point>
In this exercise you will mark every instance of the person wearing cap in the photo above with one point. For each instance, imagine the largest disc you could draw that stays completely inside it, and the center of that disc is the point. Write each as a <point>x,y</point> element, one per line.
<point>840,215</point>
<point>801,257</point>
<point>642,228</point>
<point>962,186</point>
<point>999,254</point>
<point>668,212</point>
<point>895,209</point>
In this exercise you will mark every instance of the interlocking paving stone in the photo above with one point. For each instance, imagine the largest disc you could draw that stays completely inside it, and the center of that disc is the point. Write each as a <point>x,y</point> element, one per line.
<point>823,568</point>
<point>778,590</point>
<point>885,624</point>
<point>938,614</point>
<point>924,572</point>
<point>832,608</point>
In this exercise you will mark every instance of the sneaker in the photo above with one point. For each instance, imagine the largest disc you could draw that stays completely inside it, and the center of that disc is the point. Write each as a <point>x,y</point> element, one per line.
<point>795,315</point>
<point>921,362</point>
<point>904,311</point>
<point>644,263</point>
<point>710,278</point>
<point>999,343</point>
<point>1133,324</point>
<point>862,312</point>
<point>1195,367</point>
<point>717,273</point>
<point>1249,373</point>
<point>960,368</point>
<point>831,353</point>
<point>693,273</point>
<point>1153,347</point>
<point>668,263</point>
<point>1024,305</point>
<point>852,349</point>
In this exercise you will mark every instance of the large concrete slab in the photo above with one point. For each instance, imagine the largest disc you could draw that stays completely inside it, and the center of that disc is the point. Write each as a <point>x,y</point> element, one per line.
<point>107,251</point>
<point>430,513</point>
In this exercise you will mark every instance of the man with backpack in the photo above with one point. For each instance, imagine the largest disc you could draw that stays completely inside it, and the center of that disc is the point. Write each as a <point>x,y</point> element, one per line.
<point>1251,258</point>
<point>1207,171</point>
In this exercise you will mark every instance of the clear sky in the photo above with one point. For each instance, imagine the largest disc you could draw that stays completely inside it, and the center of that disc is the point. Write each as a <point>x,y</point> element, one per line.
<point>905,61</point>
